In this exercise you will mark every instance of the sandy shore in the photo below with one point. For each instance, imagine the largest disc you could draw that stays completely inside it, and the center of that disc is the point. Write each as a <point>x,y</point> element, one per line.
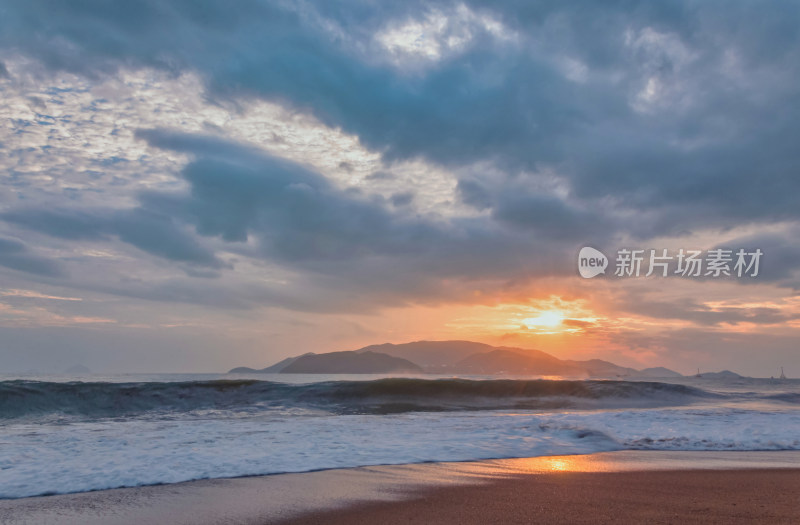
<point>682,496</point>
<point>614,487</point>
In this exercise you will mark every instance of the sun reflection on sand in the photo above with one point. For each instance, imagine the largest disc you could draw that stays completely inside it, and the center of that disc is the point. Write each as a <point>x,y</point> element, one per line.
<point>565,464</point>
<point>558,465</point>
<point>636,460</point>
<point>599,462</point>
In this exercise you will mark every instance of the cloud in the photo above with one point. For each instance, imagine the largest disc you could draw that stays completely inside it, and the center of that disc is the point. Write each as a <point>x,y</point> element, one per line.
<point>380,175</point>
<point>704,315</point>
<point>678,113</point>
<point>692,348</point>
<point>152,232</point>
<point>30,294</point>
<point>781,251</point>
<point>296,217</point>
<point>402,198</point>
<point>556,126</point>
<point>339,244</point>
<point>15,255</point>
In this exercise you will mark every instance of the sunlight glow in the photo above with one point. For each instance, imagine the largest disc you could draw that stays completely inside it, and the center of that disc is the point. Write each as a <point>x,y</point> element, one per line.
<point>548,319</point>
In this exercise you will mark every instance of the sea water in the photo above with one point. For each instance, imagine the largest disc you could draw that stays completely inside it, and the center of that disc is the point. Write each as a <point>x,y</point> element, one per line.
<point>60,435</point>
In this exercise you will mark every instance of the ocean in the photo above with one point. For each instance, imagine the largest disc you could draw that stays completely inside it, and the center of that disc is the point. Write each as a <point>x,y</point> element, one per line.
<point>76,434</point>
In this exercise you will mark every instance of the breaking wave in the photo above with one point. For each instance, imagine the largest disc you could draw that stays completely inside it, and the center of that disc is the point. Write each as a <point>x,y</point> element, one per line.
<point>79,436</point>
<point>383,396</point>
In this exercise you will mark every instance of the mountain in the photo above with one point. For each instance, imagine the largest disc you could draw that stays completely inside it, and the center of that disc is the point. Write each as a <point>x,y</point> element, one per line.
<point>350,362</point>
<point>274,369</point>
<point>430,353</point>
<point>519,361</point>
<point>725,374</point>
<point>453,357</point>
<point>508,361</point>
<point>657,372</point>
<point>600,368</point>
<point>244,370</point>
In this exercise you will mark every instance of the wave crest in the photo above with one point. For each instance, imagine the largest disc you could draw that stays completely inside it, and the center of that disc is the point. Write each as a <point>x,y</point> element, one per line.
<point>99,399</point>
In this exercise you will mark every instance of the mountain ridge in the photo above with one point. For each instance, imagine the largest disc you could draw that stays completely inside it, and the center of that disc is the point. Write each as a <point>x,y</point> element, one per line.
<point>350,362</point>
<point>453,356</point>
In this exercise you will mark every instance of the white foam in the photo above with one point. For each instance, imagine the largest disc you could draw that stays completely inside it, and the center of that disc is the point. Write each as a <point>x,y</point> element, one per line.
<point>38,459</point>
<point>717,428</point>
<point>58,458</point>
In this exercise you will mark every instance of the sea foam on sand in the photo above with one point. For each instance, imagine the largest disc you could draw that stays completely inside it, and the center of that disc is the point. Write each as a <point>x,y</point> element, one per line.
<point>270,499</point>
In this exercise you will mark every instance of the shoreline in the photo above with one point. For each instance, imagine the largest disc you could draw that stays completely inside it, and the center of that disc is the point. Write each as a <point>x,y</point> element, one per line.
<point>739,496</point>
<point>381,493</point>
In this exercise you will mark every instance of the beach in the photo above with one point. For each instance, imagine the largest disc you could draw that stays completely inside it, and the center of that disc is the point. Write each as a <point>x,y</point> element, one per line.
<point>688,496</point>
<point>218,450</point>
<point>612,487</point>
<point>345,262</point>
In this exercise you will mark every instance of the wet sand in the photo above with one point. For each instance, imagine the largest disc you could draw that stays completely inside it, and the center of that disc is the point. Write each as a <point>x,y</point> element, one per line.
<point>614,487</point>
<point>681,496</point>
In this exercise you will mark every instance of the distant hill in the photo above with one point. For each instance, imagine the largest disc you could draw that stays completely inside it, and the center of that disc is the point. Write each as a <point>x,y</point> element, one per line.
<point>658,371</point>
<point>244,370</point>
<point>453,357</point>
<point>274,369</point>
<point>600,368</point>
<point>463,357</point>
<point>725,374</point>
<point>430,353</point>
<point>507,361</point>
<point>350,363</point>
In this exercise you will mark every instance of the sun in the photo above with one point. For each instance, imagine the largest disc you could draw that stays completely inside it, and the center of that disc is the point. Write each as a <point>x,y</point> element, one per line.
<point>547,319</point>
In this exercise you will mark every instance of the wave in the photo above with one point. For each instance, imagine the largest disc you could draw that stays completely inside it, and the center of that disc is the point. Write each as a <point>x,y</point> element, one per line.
<point>91,455</point>
<point>21,398</point>
<point>786,397</point>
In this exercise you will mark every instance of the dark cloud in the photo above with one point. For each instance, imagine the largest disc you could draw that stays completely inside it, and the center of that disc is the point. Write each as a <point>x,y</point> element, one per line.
<point>298,218</point>
<point>551,217</point>
<point>781,253</point>
<point>714,144</point>
<point>149,231</point>
<point>15,255</point>
<point>599,122</point>
<point>474,193</point>
<point>701,314</point>
<point>354,250</point>
<point>297,214</point>
<point>402,198</point>
<point>777,264</point>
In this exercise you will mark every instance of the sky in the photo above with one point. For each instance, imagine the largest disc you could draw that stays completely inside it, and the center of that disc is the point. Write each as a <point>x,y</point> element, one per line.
<point>196,185</point>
